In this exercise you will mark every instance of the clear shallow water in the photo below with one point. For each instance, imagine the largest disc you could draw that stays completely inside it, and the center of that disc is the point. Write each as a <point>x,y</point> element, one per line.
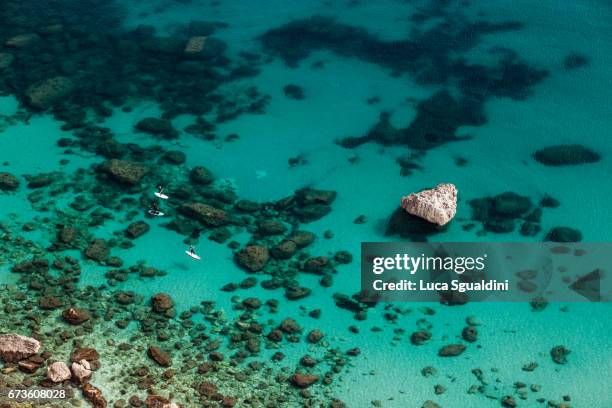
<point>566,107</point>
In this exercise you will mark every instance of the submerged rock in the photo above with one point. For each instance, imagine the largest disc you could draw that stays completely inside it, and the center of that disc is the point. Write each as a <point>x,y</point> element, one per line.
<point>58,372</point>
<point>469,334</point>
<point>8,181</point>
<point>157,127</point>
<point>174,157</point>
<point>161,302</point>
<point>6,60</point>
<point>204,213</point>
<point>75,316</point>
<point>418,338</point>
<point>15,347</point>
<point>293,91</point>
<point>563,234</point>
<point>303,380</point>
<point>201,175</point>
<point>566,155</point>
<point>308,196</point>
<point>94,396</point>
<point>574,61</point>
<point>253,257</point>
<point>123,171</point>
<point>451,350</point>
<point>81,371</point>
<point>559,354</point>
<point>437,205</point>
<point>136,229</point>
<point>84,353</point>
<point>98,250</point>
<point>49,92</point>
<point>160,356</point>
<point>284,250</point>
<point>50,302</point>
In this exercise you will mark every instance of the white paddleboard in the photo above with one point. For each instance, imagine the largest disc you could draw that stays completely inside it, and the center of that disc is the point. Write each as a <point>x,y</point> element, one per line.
<point>156,213</point>
<point>194,256</point>
<point>162,196</point>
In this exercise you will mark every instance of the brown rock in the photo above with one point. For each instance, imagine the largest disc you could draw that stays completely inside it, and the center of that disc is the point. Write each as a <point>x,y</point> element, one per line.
<point>303,380</point>
<point>160,356</point>
<point>75,316</point>
<point>469,334</point>
<point>253,257</point>
<point>290,326</point>
<point>229,402</point>
<point>315,336</point>
<point>28,366</point>
<point>14,347</point>
<point>207,215</point>
<point>437,205</point>
<point>84,353</point>
<point>156,401</point>
<point>418,338</point>
<point>94,395</point>
<point>161,302</point>
<point>124,171</point>
<point>207,389</point>
<point>284,250</point>
<point>309,196</point>
<point>97,250</point>
<point>451,350</point>
<point>559,354</point>
<point>50,303</point>
<point>8,181</point>
<point>136,229</point>
<point>50,92</point>
<point>302,238</point>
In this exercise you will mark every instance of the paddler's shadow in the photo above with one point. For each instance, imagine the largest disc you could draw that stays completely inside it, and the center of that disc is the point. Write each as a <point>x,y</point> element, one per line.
<point>181,266</point>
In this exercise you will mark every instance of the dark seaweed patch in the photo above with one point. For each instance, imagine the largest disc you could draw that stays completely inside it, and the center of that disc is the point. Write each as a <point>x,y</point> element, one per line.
<point>431,56</point>
<point>99,65</point>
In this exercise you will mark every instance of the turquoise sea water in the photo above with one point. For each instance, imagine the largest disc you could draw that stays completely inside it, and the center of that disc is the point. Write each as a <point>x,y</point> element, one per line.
<point>566,107</point>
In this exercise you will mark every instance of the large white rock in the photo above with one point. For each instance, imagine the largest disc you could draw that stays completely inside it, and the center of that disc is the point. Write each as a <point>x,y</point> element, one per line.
<point>81,370</point>
<point>14,347</point>
<point>58,372</point>
<point>437,205</point>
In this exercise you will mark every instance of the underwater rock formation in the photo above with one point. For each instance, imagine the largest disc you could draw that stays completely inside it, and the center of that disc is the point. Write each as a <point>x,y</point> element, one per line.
<point>436,123</point>
<point>49,92</point>
<point>566,155</point>
<point>502,212</point>
<point>8,181</point>
<point>437,205</point>
<point>58,372</point>
<point>81,371</point>
<point>207,215</point>
<point>253,257</point>
<point>201,175</point>
<point>157,127</point>
<point>124,171</point>
<point>563,234</point>
<point>15,347</point>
